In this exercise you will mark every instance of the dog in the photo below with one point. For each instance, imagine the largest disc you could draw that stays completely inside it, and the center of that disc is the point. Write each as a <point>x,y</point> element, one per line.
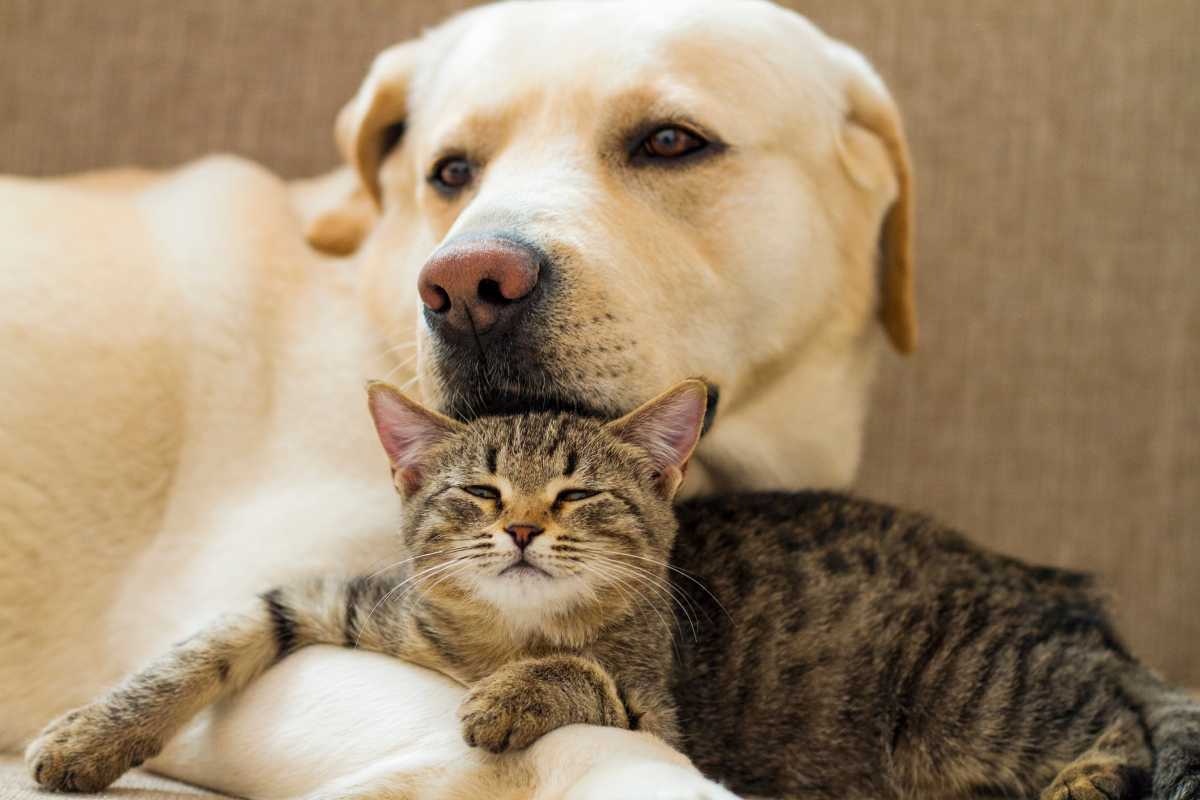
<point>543,204</point>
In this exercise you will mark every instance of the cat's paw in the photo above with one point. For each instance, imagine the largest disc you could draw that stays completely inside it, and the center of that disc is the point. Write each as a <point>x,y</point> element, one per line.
<point>1098,779</point>
<point>85,750</point>
<point>499,719</point>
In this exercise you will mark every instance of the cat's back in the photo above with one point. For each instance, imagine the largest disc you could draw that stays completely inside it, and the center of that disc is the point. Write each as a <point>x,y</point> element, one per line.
<point>762,543</point>
<point>820,619</point>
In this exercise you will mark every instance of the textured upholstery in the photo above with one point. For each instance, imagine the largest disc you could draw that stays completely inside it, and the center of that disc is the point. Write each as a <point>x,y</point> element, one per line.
<point>15,784</point>
<point>1053,408</point>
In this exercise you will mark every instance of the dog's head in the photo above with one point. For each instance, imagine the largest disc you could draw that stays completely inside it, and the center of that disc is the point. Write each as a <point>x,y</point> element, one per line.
<point>587,201</point>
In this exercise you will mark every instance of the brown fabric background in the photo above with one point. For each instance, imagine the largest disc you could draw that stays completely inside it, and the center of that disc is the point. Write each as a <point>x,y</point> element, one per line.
<point>1053,408</point>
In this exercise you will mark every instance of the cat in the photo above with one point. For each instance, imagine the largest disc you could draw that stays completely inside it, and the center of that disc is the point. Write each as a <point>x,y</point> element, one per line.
<point>802,644</point>
<point>536,576</point>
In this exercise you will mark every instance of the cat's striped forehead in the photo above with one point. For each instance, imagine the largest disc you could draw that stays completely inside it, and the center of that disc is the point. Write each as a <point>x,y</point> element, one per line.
<point>532,449</point>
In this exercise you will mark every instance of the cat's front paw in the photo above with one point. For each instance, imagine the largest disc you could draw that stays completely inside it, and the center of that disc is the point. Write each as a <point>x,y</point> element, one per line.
<point>85,750</point>
<point>498,718</point>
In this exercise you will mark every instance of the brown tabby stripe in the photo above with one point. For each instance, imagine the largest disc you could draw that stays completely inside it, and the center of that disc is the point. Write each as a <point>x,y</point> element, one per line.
<point>283,624</point>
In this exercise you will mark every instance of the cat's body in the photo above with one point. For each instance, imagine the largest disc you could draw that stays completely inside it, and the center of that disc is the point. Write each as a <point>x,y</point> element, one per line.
<point>802,645</point>
<point>863,651</point>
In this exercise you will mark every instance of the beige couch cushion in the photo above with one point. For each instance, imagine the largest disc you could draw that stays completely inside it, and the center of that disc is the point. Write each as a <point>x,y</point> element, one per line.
<point>1053,408</point>
<point>15,784</point>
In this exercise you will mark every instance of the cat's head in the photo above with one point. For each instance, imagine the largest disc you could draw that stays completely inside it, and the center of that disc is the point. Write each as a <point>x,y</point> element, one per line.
<point>542,511</point>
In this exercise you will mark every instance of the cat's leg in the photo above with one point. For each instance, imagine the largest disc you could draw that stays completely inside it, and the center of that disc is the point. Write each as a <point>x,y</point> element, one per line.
<point>87,749</point>
<point>518,703</point>
<point>1116,767</point>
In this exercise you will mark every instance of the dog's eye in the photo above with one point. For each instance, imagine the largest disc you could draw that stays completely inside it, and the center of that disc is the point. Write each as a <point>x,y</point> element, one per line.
<point>573,495</point>
<point>483,492</point>
<point>452,173</point>
<point>671,141</point>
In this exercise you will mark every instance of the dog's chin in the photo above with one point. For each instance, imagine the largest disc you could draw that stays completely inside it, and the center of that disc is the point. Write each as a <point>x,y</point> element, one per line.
<point>470,388</point>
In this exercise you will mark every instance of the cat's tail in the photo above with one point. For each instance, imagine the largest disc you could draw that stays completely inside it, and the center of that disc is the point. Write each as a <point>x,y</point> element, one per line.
<point>1172,720</point>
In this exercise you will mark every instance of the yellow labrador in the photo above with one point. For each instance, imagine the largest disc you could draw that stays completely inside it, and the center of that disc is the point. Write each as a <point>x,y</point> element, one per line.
<point>566,204</point>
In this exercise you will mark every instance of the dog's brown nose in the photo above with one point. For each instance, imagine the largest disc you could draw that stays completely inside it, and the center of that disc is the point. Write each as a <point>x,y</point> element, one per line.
<point>471,285</point>
<point>522,534</point>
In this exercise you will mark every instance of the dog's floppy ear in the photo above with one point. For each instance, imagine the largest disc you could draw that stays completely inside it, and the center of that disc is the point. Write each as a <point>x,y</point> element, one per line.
<point>872,114</point>
<point>367,129</point>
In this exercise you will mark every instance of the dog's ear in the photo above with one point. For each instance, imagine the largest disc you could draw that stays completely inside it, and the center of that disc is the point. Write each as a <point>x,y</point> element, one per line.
<point>367,129</point>
<point>872,119</point>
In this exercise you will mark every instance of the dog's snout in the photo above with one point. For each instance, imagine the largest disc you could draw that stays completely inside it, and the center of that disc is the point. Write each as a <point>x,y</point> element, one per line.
<point>471,286</point>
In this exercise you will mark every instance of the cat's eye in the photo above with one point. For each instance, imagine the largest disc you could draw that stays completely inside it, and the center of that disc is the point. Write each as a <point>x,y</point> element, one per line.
<point>482,492</point>
<point>573,495</point>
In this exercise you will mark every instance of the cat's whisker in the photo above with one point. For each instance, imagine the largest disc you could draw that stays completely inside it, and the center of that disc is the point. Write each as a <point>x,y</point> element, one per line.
<point>664,588</point>
<point>400,585</point>
<point>402,562</point>
<point>448,575</point>
<point>687,575</point>
<point>677,596</point>
<point>655,583</point>
<point>667,626</point>
<point>617,584</point>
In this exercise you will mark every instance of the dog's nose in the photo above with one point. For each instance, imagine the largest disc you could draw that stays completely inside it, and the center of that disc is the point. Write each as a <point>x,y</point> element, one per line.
<point>523,534</point>
<point>473,285</point>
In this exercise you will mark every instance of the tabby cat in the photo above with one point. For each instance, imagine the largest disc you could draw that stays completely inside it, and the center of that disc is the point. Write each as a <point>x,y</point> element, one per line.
<point>800,645</point>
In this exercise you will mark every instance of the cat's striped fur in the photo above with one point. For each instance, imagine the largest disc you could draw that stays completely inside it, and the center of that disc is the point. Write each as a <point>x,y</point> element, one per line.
<point>820,646</point>
<point>868,652</point>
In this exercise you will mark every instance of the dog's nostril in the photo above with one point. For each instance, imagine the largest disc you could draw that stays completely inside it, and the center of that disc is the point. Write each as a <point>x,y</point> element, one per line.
<point>489,292</point>
<point>444,301</point>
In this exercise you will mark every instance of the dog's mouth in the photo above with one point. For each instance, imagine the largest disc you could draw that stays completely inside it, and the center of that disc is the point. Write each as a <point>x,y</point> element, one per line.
<point>472,388</point>
<point>472,385</point>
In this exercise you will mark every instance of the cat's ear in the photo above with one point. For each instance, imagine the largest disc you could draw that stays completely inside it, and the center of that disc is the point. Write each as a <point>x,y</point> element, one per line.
<point>407,431</point>
<point>667,428</point>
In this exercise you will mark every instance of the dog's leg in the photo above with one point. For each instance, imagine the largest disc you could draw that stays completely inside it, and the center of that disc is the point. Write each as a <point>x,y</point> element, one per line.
<point>327,723</point>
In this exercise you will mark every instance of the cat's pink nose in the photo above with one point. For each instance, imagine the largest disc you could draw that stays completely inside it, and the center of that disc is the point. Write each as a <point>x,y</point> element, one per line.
<point>523,534</point>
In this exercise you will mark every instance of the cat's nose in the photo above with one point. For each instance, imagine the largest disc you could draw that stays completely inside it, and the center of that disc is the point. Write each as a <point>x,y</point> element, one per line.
<point>523,534</point>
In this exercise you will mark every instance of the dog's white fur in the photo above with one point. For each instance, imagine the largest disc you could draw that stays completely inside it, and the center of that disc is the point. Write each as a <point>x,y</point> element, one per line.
<point>182,414</point>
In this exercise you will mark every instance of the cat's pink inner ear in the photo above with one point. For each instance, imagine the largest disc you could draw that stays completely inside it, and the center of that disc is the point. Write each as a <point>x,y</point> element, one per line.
<point>668,427</point>
<point>406,430</point>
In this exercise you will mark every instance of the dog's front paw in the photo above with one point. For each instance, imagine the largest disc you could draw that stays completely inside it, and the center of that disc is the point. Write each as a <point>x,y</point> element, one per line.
<point>498,719</point>
<point>85,750</point>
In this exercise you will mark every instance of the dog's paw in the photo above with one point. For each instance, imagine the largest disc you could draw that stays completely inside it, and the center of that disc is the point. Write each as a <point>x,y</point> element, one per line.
<point>498,719</point>
<point>85,751</point>
<point>1098,779</point>
<point>647,781</point>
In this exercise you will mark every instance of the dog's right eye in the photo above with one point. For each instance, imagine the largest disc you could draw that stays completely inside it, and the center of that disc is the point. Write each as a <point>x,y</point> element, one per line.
<point>452,173</point>
<point>483,492</point>
<point>670,143</point>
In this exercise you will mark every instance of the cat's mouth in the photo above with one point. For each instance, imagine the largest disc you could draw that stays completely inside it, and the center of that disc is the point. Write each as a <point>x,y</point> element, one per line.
<point>524,569</point>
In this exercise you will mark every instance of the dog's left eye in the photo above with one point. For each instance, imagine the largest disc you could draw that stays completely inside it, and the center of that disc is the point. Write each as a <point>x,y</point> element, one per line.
<point>671,141</point>
<point>573,495</point>
<point>452,173</point>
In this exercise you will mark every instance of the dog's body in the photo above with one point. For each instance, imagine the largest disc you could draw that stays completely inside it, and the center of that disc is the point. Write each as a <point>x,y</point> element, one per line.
<point>153,471</point>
